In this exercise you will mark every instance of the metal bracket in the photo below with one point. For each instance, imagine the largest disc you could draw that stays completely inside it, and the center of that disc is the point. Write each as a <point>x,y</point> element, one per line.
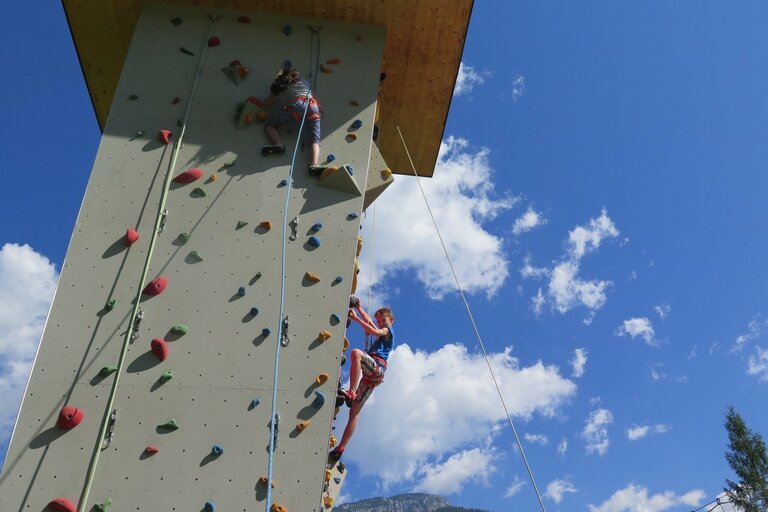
<point>136,323</point>
<point>285,339</point>
<point>294,224</point>
<point>163,218</point>
<point>277,429</point>
<point>110,430</point>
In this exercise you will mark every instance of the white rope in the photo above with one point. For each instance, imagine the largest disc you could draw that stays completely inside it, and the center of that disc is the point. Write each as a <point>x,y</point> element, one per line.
<point>474,326</point>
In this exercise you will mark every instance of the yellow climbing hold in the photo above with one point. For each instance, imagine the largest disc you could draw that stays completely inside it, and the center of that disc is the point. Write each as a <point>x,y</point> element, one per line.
<point>385,174</point>
<point>213,177</point>
<point>324,336</point>
<point>322,378</point>
<point>332,441</point>
<point>276,507</point>
<point>266,225</point>
<point>346,344</point>
<point>263,481</point>
<point>302,425</point>
<point>327,501</point>
<point>309,276</point>
<point>328,475</point>
<point>359,247</point>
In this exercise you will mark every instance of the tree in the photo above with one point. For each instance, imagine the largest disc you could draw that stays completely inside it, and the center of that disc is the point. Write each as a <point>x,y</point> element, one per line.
<point>748,458</point>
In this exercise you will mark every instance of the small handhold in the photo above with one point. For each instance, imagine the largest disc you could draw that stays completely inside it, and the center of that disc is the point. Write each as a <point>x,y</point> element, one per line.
<point>169,425</point>
<point>328,501</point>
<point>354,103</point>
<point>180,123</point>
<point>349,169</point>
<point>133,97</point>
<point>104,506</point>
<point>319,400</point>
<point>110,305</point>
<point>265,225</point>
<point>356,124</point>
<point>185,51</point>
<point>314,241</point>
<point>175,100</point>
<point>287,30</point>
<point>257,276</point>
<point>235,63</point>
<point>139,133</point>
<point>331,157</point>
<point>198,192</point>
<point>336,480</point>
<point>324,336</point>
<point>345,346</point>
<point>385,174</point>
<point>131,235</point>
<point>351,137</point>
<point>254,403</point>
<point>213,177</point>
<point>335,60</point>
<point>332,441</point>
<point>106,371</point>
<point>266,331</point>
<point>317,226</point>
<point>179,329</point>
<point>309,276</point>
<point>321,378</point>
<point>177,21</point>
<point>183,238</point>
<point>337,279</point>
<point>302,425</point>
<point>351,216</point>
<point>209,506</point>
<point>241,291</point>
<point>151,450</point>
<point>282,183</point>
<point>214,41</point>
<point>254,311</point>
<point>165,377</point>
<point>335,318</point>
<point>241,224</point>
<point>196,255</point>
<point>156,286</point>
<point>165,136</point>
<point>263,481</point>
<point>189,175</point>
<point>159,348</point>
<point>217,449</point>
<point>228,164</point>
<point>69,417</point>
<point>62,505</point>
<point>276,507</point>
<point>325,69</point>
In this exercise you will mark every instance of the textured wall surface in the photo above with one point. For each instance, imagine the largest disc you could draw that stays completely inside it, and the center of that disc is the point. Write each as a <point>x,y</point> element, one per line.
<point>217,273</point>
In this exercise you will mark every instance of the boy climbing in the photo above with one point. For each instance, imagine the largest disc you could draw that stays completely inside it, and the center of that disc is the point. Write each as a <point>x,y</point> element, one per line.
<point>293,95</point>
<point>367,368</point>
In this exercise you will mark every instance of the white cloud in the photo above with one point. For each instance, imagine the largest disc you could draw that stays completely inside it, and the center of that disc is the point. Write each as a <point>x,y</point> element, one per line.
<point>536,438</point>
<point>635,498</point>
<point>515,487</point>
<point>467,79</point>
<point>518,87</point>
<point>557,488</point>
<point>529,220</point>
<point>462,198</point>
<point>584,239</point>
<point>446,402</point>
<point>27,282</point>
<point>579,362</point>
<point>537,302</point>
<point>662,310</point>
<point>449,477</point>
<point>567,291</point>
<point>562,447</point>
<point>641,327</point>
<point>595,431</point>
<point>755,329</point>
<point>657,375</point>
<point>757,364</point>
<point>636,432</point>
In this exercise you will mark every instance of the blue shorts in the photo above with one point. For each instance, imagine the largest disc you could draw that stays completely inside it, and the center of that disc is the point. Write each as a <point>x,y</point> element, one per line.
<point>293,114</point>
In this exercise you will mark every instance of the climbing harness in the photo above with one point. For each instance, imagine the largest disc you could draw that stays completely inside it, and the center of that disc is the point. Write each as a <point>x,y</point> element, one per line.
<point>137,313</point>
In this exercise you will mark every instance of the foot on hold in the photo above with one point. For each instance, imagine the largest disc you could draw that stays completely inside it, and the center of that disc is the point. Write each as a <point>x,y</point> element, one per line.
<point>273,150</point>
<point>316,170</point>
<point>335,454</point>
<point>349,396</point>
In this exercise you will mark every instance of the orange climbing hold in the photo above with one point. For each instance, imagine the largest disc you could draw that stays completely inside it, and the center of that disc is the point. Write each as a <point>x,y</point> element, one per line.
<point>276,507</point>
<point>309,276</point>
<point>351,137</point>
<point>213,177</point>
<point>69,417</point>
<point>346,344</point>
<point>131,235</point>
<point>261,116</point>
<point>248,119</point>
<point>322,378</point>
<point>62,505</point>
<point>189,175</point>
<point>327,172</point>
<point>325,69</point>
<point>159,348</point>
<point>332,441</point>
<point>354,103</point>
<point>302,425</point>
<point>165,136</point>
<point>156,286</point>
<point>263,481</point>
<point>335,60</point>
<point>328,475</point>
<point>327,501</point>
<point>266,225</point>
<point>324,336</point>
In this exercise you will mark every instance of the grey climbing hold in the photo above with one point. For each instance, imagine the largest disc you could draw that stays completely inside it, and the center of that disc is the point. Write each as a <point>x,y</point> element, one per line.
<point>282,183</point>
<point>185,51</point>
<point>165,377</point>
<point>110,305</point>
<point>266,331</point>
<point>255,402</point>
<point>335,318</point>
<point>241,291</point>
<point>338,279</point>
<point>317,226</point>
<point>352,216</point>
<point>319,400</point>
<point>104,506</point>
<point>169,425</point>
<point>217,450</point>
<point>198,192</point>
<point>209,506</point>
<point>107,371</point>
<point>179,329</point>
<point>314,241</point>
<point>183,238</point>
<point>254,311</point>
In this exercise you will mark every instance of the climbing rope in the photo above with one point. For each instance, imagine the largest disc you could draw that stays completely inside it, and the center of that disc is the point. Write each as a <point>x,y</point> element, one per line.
<point>370,271</point>
<point>474,325</point>
<point>145,271</point>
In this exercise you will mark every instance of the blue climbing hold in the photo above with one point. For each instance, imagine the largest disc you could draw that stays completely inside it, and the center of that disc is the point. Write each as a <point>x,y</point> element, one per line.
<point>287,30</point>
<point>335,318</point>
<point>217,449</point>
<point>266,331</point>
<point>316,227</point>
<point>241,291</point>
<point>338,280</point>
<point>282,183</point>
<point>352,216</point>
<point>255,402</point>
<point>349,170</point>
<point>357,124</point>
<point>209,506</point>
<point>314,241</point>
<point>319,400</point>
<point>337,480</point>
<point>254,311</point>
<point>331,157</point>
<point>287,63</point>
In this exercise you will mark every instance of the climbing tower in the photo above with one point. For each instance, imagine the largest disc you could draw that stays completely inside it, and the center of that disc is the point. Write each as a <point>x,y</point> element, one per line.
<point>191,356</point>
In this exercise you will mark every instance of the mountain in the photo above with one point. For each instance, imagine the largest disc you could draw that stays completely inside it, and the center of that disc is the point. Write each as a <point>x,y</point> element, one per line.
<point>403,503</point>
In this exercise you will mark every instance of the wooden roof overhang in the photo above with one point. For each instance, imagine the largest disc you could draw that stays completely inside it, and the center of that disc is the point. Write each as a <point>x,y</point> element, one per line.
<point>422,52</point>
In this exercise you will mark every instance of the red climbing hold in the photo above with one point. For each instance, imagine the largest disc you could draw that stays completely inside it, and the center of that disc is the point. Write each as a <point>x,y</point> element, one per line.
<point>69,417</point>
<point>156,286</point>
<point>160,348</point>
<point>214,41</point>
<point>165,136</point>
<point>189,175</point>
<point>244,19</point>
<point>151,450</point>
<point>62,505</point>
<point>235,63</point>
<point>131,235</point>
<point>256,101</point>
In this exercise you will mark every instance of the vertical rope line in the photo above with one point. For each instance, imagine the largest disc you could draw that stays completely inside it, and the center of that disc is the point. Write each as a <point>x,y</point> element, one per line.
<point>137,301</point>
<point>474,325</point>
<point>370,271</point>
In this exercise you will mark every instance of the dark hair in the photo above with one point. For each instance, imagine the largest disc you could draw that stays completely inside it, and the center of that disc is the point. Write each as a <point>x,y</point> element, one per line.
<point>283,78</point>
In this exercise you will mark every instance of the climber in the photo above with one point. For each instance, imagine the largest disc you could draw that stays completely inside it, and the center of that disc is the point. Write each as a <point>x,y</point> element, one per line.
<point>293,95</point>
<point>367,368</point>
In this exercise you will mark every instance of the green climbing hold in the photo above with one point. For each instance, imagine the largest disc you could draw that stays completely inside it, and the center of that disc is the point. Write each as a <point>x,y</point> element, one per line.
<point>166,376</point>
<point>179,329</point>
<point>169,425</point>
<point>133,97</point>
<point>110,305</point>
<point>177,21</point>
<point>241,223</point>
<point>185,51</point>
<point>103,507</point>
<point>198,192</point>
<point>139,133</point>
<point>107,371</point>
<point>196,255</point>
<point>183,238</point>
<point>258,275</point>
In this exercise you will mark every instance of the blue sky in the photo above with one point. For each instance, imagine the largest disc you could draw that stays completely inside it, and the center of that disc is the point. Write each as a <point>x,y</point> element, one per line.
<point>602,192</point>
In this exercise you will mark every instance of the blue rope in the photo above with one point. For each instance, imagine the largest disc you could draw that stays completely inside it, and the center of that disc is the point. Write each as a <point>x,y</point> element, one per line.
<point>272,424</point>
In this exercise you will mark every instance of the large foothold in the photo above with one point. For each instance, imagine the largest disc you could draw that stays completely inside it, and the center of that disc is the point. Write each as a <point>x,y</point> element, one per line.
<point>103,506</point>
<point>165,136</point>
<point>198,192</point>
<point>151,450</point>
<point>106,371</point>
<point>324,336</point>
<point>214,41</point>
<point>263,481</point>
<point>265,225</point>
<point>314,278</point>
<point>209,506</point>
<point>321,378</point>
<point>302,425</point>
<point>62,505</point>
<point>159,348</point>
<point>131,235</point>
<point>319,400</point>
<point>169,425</point>
<point>241,224</point>
<point>179,329</point>
<point>156,286</point>
<point>217,450</point>
<point>69,417</point>
<point>189,175</point>
<point>341,179</point>
<point>314,241</point>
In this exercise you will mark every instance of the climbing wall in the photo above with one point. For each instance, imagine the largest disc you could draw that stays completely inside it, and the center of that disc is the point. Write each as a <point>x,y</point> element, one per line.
<point>153,387</point>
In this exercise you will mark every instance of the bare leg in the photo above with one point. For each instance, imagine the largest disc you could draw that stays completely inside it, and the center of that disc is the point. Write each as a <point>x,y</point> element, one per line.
<point>315,153</point>
<point>354,417</point>
<point>273,135</point>
<point>355,370</point>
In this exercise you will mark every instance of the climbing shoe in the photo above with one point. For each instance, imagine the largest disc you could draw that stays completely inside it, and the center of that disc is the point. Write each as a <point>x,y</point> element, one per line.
<point>273,150</point>
<point>335,454</point>
<point>316,170</point>
<point>349,396</point>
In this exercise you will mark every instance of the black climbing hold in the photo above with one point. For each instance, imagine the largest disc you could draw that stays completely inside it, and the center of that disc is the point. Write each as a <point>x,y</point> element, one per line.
<point>314,241</point>
<point>107,371</point>
<point>133,97</point>
<point>110,305</point>
<point>335,318</point>
<point>177,21</point>
<point>241,291</point>
<point>198,192</point>
<point>352,216</point>
<point>317,226</point>
<point>217,449</point>
<point>349,170</point>
<point>185,51</point>
<point>266,331</point>
<point>287,30</point>
<point>254,311</point>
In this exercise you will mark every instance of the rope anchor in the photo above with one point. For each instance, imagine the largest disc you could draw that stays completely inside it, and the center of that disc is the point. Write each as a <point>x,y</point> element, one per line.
<point>163,218</point>
<point>285,340</point>
<point>136,323</point>
<point>110,430</point>
<point>294,229</point>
